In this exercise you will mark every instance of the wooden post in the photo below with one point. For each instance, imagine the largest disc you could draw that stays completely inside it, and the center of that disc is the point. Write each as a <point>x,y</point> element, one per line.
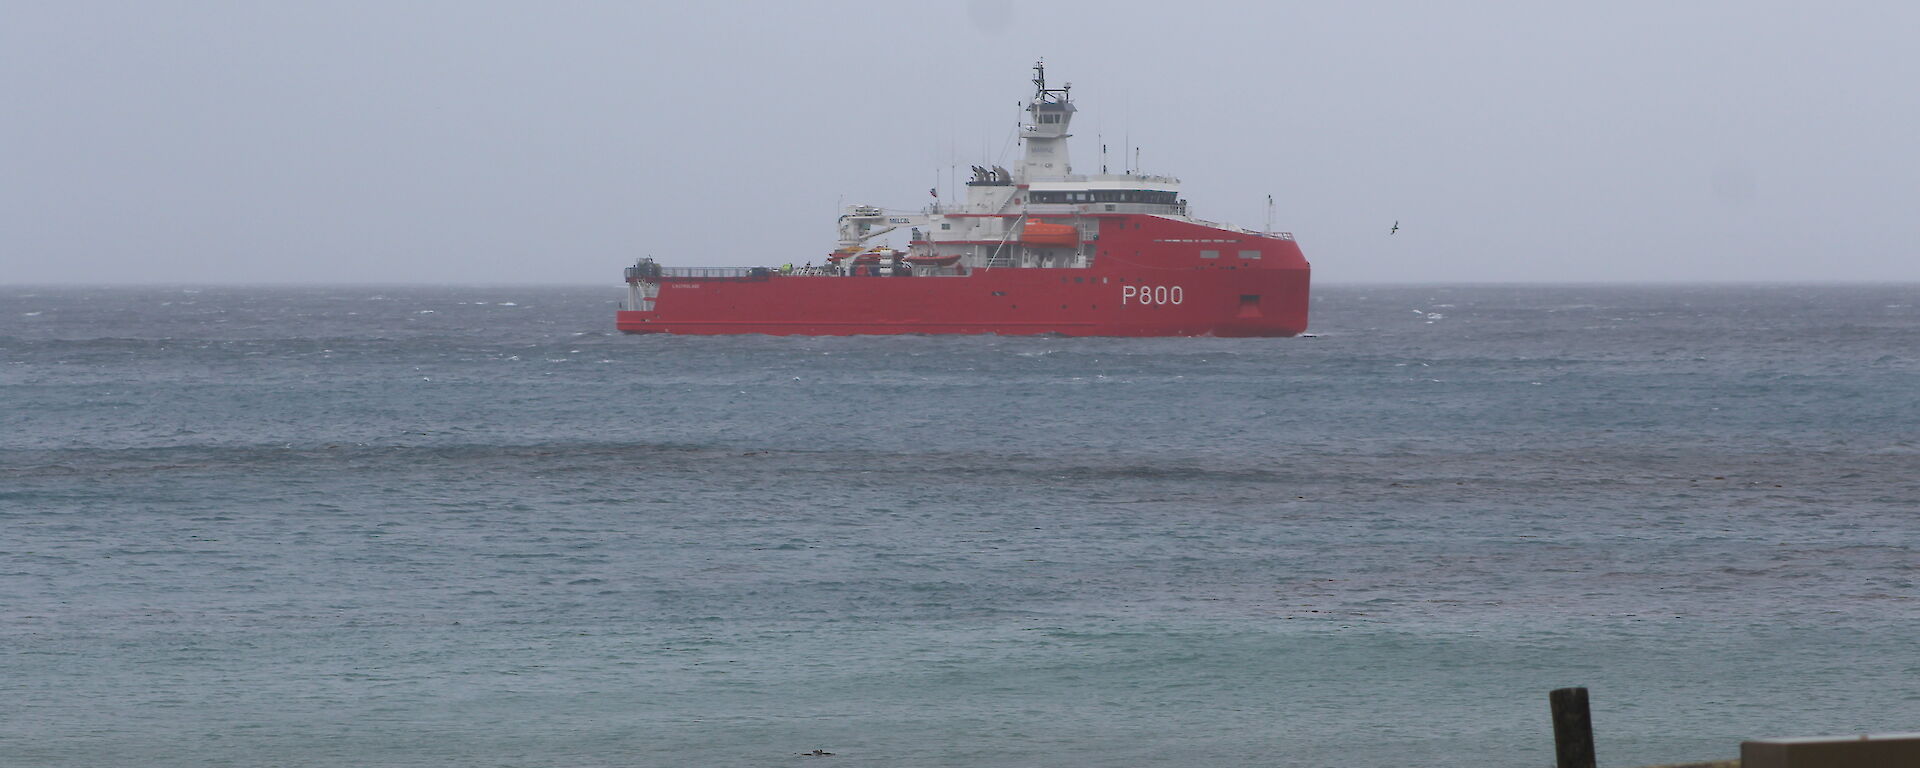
<point>1572,728</point>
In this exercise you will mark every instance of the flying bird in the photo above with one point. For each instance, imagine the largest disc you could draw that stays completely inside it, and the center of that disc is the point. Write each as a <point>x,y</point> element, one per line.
<point>1396,227</point>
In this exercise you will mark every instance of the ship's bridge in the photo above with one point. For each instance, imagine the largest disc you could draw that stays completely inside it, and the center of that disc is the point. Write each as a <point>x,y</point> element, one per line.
<point>1106,188</point>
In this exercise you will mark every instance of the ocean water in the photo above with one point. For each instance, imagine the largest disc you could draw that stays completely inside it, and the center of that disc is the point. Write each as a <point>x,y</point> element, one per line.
<point>472,526</point>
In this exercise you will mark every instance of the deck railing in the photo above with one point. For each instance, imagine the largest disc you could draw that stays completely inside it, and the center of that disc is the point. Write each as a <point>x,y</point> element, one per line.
<point>712,272</point>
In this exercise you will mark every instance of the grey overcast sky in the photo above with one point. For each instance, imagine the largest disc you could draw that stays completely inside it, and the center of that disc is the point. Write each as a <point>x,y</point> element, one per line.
<point>553,142</point>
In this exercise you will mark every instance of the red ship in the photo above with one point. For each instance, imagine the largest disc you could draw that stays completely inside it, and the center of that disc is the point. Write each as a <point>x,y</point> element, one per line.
<point>1034,251</point>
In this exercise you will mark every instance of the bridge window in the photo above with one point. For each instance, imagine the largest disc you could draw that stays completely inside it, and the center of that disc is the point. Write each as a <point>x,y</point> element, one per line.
<point>1147,196</point>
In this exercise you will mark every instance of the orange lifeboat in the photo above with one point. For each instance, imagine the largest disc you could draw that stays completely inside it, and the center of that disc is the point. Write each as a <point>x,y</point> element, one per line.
<point>934,259</point>
<point>1039,232</point>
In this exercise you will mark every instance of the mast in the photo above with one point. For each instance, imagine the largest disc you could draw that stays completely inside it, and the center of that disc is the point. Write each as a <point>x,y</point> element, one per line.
<point>1046,135</point>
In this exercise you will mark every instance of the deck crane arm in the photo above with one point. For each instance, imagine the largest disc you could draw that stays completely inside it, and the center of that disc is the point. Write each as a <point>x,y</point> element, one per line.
<point>858,224</point>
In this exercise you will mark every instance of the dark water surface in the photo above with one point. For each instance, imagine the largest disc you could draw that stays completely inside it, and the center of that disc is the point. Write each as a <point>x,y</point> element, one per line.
<point>474,527</point>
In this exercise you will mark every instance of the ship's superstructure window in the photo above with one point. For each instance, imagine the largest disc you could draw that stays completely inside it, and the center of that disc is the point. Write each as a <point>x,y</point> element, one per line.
<point>1155,197</point>
<point>1209,254</point>
<point>1049,117</point>
<point>1249,254</point>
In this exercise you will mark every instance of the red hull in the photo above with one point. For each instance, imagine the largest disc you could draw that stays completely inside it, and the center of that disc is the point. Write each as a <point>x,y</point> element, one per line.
<point>1151,276</point>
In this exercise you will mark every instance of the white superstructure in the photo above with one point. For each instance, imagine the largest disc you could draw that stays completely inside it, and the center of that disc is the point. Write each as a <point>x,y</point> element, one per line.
<point>991,227</point>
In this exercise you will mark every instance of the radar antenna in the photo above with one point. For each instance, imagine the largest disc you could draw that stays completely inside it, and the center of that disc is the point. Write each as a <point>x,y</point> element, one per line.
<point>1043,94</point>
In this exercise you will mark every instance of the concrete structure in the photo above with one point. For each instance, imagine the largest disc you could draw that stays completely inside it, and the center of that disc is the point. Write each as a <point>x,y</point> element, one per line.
<point>1888,750</point>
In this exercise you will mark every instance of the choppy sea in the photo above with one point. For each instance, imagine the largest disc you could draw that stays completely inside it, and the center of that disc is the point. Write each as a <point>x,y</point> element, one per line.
<point>473,526</point>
